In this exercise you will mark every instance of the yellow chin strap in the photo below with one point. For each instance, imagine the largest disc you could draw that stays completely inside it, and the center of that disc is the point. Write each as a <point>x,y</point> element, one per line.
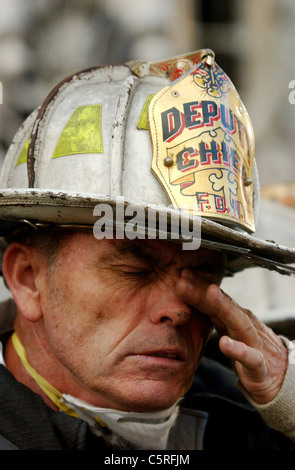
<point>54,395</point>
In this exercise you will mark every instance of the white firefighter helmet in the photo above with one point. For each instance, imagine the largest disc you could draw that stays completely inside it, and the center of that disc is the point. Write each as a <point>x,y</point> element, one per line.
<point>169,134</point>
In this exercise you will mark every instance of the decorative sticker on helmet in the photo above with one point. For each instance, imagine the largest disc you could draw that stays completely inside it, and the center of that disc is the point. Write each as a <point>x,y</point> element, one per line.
<point>82,133</point>
<point>23,156</point>
<point>177,66</point>
<point>203,146</point>
<point>143,120</point>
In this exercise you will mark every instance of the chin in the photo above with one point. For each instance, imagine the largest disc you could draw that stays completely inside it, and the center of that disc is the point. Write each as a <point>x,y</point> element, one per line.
<point>152,397</point>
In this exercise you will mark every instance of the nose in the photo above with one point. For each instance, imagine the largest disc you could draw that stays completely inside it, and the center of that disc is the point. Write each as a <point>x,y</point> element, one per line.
<point>169,308</point>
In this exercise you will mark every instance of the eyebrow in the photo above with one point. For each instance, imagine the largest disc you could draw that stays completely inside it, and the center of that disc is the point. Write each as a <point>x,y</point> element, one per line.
<point>143,253</point>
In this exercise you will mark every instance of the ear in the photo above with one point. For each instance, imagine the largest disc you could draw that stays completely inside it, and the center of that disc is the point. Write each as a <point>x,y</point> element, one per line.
<point>21,268</point>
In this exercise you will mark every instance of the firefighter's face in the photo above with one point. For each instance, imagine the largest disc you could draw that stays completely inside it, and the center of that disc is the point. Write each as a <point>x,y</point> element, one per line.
<point>113,320</point>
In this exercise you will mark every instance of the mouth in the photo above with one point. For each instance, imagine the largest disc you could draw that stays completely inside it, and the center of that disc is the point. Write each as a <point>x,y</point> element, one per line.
<point>165,354</point>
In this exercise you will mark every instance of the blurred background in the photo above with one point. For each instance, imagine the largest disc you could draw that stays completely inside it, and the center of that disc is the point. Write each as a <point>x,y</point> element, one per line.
<point>42,41</point>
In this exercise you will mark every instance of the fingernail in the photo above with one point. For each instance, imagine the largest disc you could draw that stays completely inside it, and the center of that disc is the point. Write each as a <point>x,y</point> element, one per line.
<point>185,284</point>
<point>225,294</point>
<point>230,341</point>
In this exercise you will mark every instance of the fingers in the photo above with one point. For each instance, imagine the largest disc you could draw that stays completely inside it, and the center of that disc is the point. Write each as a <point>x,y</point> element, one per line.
<point>225,314</point>
<point>259,355</point>
<point>237,320</point>
<point>251,359</point>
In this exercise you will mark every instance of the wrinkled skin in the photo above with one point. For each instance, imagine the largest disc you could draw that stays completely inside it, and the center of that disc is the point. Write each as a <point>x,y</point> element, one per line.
<point>123,324</point>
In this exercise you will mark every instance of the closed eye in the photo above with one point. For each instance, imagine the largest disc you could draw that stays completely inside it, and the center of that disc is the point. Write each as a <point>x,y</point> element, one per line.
<point>135,270</point>
<point>140,276</point>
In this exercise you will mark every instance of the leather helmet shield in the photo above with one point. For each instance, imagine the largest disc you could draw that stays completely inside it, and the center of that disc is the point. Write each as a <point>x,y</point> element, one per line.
<point>203,146</point>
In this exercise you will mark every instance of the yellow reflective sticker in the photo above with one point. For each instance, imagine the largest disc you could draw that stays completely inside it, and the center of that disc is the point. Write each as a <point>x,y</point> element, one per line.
<point>143,120</point>
<point>82,133</point>
<point>23,156</point>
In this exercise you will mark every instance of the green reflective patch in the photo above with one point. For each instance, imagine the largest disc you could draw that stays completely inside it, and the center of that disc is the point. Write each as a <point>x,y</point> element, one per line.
<point>143,120</point>
<point>23,156</point>
<point>82,133</point>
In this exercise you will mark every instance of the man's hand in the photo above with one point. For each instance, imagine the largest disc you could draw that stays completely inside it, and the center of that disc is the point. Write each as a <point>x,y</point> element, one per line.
<point>259,354</point>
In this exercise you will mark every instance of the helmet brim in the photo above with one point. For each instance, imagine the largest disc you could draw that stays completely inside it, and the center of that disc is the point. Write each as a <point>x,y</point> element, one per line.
<point>20,208</point>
